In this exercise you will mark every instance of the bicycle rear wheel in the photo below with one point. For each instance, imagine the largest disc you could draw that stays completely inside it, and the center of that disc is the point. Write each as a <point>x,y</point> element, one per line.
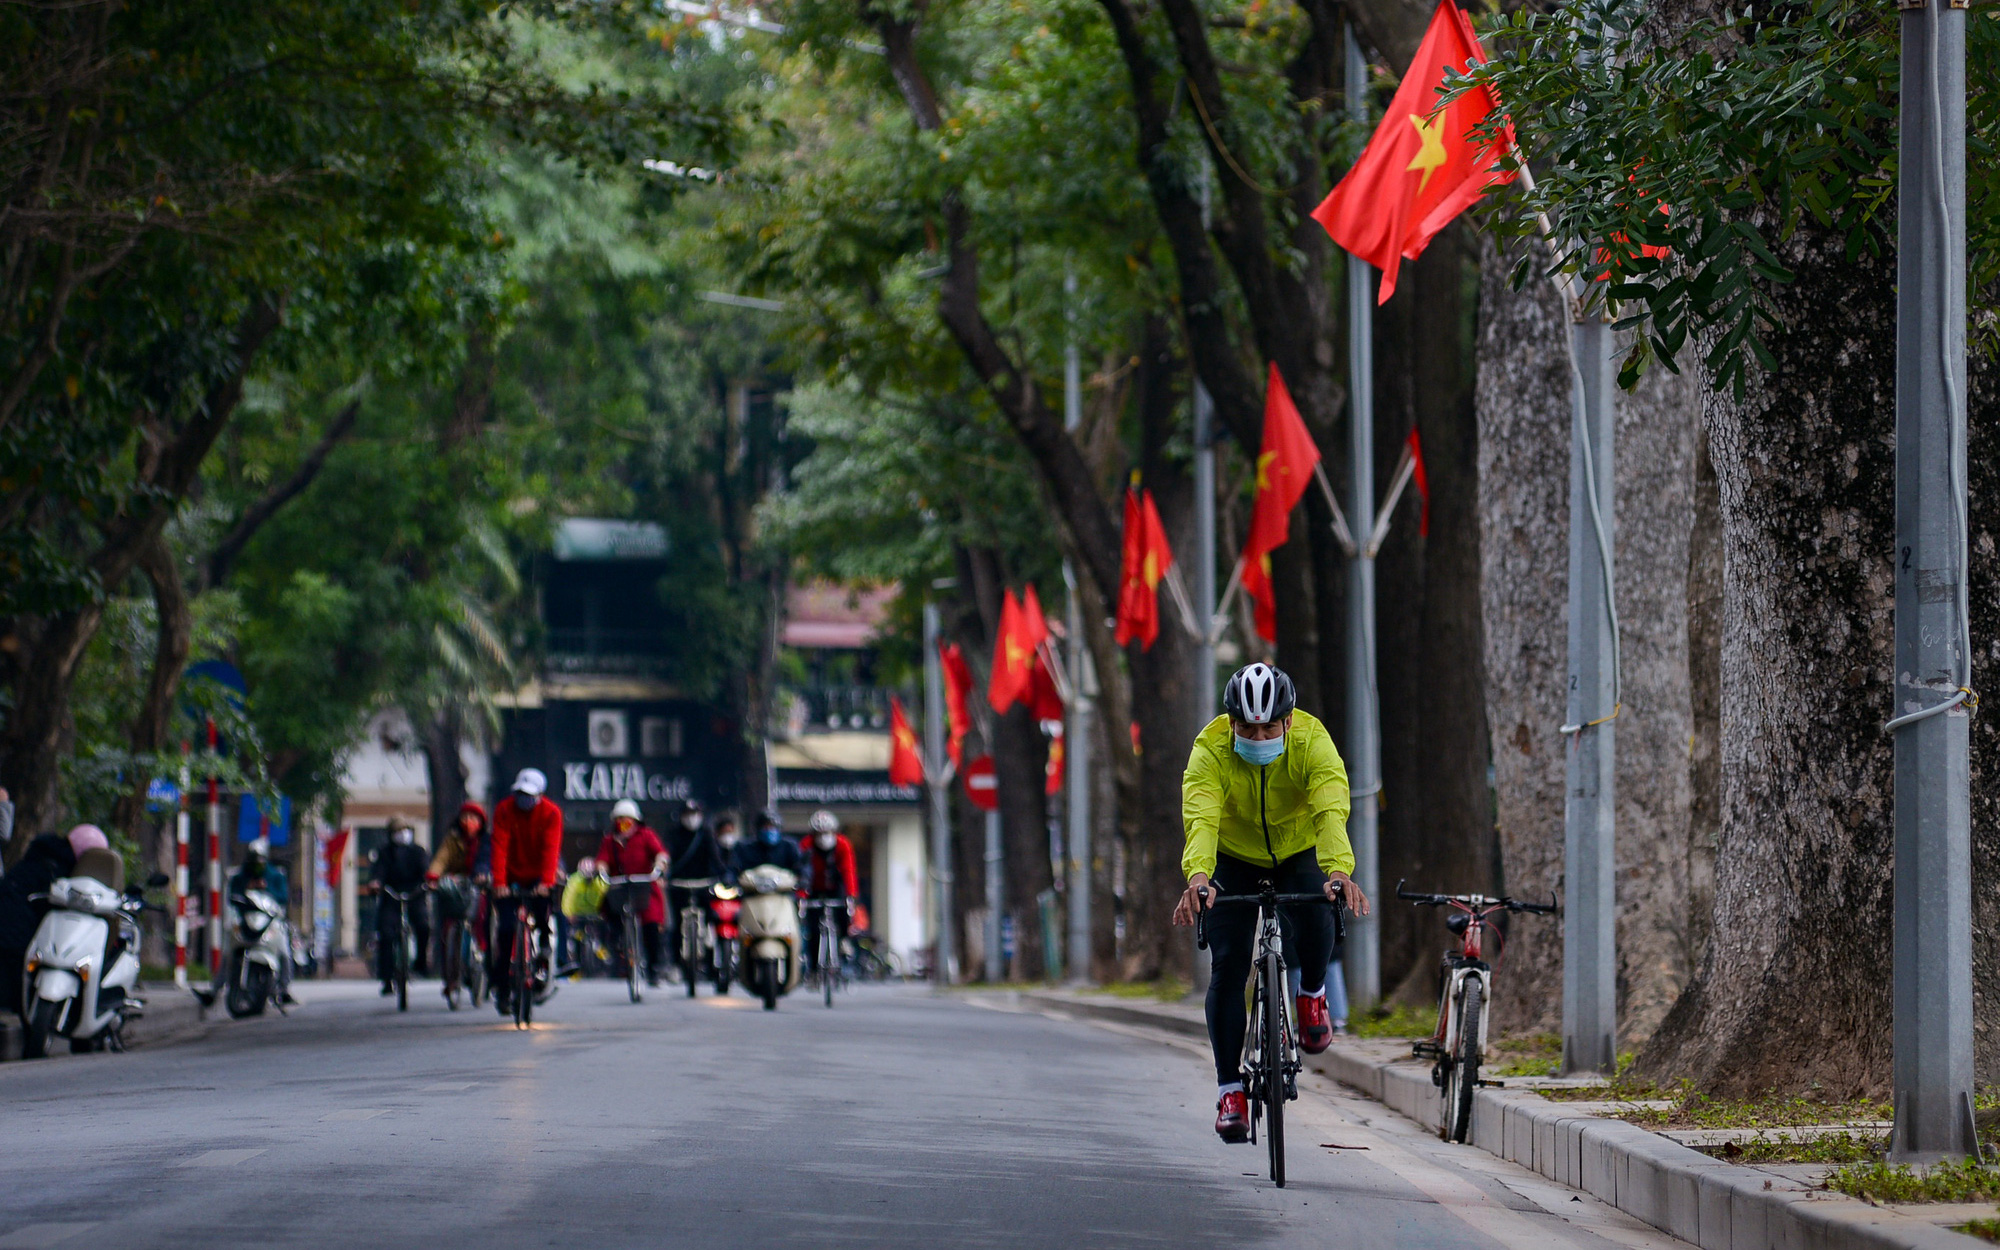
<point>1464,1079</point>
<point>1272,991</point>
<point>632,954</point>
<point>829,957</point>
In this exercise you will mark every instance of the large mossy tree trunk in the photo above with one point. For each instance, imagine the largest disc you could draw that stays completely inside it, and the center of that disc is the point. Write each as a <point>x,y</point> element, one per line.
<point>1983,461</point>
<point>1525,414</point>
<point>1794,989</point>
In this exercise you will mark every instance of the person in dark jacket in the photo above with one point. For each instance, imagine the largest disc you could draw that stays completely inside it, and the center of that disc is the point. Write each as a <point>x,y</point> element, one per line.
<point>47,859</point>
<point>770,846</point>
<point>401,865</point>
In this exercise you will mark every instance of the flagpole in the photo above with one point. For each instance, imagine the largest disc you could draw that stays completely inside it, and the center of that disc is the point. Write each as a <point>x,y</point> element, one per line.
<point>943,953</point>
<point>1363,962</point>
<point>1204,574</point>
<point>1076,748</point>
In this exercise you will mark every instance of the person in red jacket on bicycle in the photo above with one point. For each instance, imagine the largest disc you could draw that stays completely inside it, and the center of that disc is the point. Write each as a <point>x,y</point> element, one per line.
<point>829,873</point>
<point>631,849</point>
<point>527,851</point>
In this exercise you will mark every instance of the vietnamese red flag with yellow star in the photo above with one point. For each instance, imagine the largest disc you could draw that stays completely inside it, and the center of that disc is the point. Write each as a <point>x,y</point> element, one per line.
<point>1013,659</point>
<point>957,693</point>
<point>1284,467</point>
<point>1147,556</point>
<point>906,766</point>
<point>1423,166</point>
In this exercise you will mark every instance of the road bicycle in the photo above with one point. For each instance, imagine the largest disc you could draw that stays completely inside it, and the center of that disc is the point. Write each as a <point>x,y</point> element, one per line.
<point>528,949</point>
<point>1458,1048</point>
<point>828,974</point>
<point>1271,1062</point>
<point>459,965</point>
<point>708,931</point>
<point>401,944</point>
<point>627,895</point>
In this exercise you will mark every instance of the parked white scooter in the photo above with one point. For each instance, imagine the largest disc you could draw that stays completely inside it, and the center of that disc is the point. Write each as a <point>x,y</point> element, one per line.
<point>260,963</point>
<point>770,924</point>
<point>81,973</point>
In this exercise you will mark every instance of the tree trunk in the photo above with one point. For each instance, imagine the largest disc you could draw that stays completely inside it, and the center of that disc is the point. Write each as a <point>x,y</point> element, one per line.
<point>1523,407</point>
<point>1020,764</point>
<point>148,735</point>
<point>1795,987</point>
<point>1436,824</point>
<point>1704,616</point>
<point>1983,463</point>
<point>443,733</point>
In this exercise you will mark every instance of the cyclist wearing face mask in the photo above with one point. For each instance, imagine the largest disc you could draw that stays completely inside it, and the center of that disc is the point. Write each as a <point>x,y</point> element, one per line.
<point>1264,799</point>
<point>770,846</point>
<point>527,851</point>
<point>830,875</point>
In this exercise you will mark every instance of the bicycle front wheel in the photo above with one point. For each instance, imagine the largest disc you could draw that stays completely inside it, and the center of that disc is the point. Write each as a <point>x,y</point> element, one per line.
<point>519,972</point>
<point>632,955</point>
<point>1464,1080</point>
<point>1273,991</point>
<point>403,970</point>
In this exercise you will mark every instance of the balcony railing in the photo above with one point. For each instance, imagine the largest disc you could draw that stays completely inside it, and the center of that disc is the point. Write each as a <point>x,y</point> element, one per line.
<point>832,709</point>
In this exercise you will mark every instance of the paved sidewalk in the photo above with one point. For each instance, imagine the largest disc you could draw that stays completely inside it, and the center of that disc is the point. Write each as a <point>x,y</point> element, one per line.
<point>1694,1196</point>
<point>172,1015</point>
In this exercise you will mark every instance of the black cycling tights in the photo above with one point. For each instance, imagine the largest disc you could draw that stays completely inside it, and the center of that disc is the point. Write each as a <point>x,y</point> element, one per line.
<point>1232,944</point>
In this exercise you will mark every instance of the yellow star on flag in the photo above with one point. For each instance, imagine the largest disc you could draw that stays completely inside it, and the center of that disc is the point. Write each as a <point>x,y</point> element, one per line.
<point>1431,153</point>
<point>1264,470</point>
<point>1017,655</point>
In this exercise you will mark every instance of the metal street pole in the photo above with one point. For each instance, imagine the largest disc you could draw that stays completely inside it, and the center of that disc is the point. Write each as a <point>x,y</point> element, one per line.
<point>1363,962</point>
<point>994,894</point>
<point>943,952</point>
<point>1077,738</point>
<point>1933,869</point>
<point>1590,915</point>
<point>1204,591</point>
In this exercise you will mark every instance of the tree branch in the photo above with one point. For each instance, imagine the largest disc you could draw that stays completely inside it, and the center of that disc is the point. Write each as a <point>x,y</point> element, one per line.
<point>216,570</point>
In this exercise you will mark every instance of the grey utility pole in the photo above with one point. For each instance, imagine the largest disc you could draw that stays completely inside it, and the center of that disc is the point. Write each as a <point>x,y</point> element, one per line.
<point>1933,874</point>
<point>943,956</point>
<point>1363,963</point>
<point>995,965</point>
<point>1590,913</point>
<point>1082,683</point>
<point>1204,592</point>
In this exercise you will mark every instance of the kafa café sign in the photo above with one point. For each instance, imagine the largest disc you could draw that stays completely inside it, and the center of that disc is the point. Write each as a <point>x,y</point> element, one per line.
<point>607,783</point>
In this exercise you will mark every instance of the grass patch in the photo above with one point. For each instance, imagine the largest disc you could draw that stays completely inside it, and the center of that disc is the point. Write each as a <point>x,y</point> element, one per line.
<point>1394,1020</point>
<point>1969,1181</point>
<point>1694,1109</point>
<point>1835,1148</point>
<point>1165,990</point>
<point>1532,1054</point>
<point>1985,1230</point>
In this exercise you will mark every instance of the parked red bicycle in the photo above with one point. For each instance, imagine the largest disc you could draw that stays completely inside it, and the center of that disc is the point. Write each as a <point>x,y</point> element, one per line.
<point>1458,1048</point>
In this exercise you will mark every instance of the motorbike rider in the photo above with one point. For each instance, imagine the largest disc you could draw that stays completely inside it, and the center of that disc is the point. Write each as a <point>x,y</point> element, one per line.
<point>257,872</point>
<point>48,859</point>
<point>631,849</point>
<point>1263,799</point>
<point>527,851</point>
<point>829,874</point>
<point>401,865</point>
<point>770,846</point>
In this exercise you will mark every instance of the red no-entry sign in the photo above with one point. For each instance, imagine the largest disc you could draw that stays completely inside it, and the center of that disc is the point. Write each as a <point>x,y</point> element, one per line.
<point>981,786</point>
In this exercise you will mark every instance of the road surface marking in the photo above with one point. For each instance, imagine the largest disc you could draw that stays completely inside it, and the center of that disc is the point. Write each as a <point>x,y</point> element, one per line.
<point>449,1087</point>
<point>222,1158</point>
<point>353,1113</point>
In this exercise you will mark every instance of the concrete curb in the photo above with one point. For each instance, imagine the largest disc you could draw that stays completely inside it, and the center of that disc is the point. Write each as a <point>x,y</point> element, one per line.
<point>172,1015</point>
<point>1681,1191</point>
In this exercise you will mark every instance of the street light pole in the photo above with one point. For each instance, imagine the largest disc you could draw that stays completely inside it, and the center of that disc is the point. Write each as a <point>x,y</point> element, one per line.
<point>1363,961</point>
<point>1082,680</point>
<point>943,955</point>
<point>1932,994</point>
<point>1590,914</point>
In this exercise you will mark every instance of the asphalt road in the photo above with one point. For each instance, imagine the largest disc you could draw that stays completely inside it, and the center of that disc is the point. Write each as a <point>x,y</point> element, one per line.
<point>896,1119</point>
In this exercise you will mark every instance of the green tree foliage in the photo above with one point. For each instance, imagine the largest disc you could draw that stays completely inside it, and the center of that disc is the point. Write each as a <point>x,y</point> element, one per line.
<point>1714,139</point>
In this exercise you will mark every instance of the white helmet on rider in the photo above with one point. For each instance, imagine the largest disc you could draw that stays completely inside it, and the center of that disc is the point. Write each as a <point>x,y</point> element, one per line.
<point>626,809</point>
<point>824,821</point>
<point>1259,694</point>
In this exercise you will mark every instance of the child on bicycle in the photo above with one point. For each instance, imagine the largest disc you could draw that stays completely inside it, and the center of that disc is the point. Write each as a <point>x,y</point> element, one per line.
<point>1264,799</point>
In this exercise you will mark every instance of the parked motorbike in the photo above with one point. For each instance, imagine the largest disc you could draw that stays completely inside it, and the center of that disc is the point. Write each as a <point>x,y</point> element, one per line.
<point>770,926</point>
<point>709,932</point>
<point>81,972</point>
<point>260,966</point>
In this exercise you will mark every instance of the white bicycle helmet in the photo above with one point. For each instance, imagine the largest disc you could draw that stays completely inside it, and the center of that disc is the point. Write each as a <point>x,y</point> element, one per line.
<point>824,821</point>
<point>625,807</point>
<point>1259,694</point>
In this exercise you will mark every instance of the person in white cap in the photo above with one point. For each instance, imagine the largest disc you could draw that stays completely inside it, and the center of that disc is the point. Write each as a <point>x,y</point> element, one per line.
<point>527,851</point>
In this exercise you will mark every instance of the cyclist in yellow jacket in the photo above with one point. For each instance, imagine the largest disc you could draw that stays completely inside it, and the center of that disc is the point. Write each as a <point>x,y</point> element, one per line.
<point>1264,799</point>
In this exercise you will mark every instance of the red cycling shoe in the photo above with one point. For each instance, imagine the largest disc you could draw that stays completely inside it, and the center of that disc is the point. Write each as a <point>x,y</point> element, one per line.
<point>1315,1033</point>
<point>1232,1118</point>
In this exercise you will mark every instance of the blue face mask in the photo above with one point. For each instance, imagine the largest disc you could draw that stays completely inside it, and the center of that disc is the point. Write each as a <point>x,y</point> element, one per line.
<point>1259,752</point>
<point>771,836</point>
